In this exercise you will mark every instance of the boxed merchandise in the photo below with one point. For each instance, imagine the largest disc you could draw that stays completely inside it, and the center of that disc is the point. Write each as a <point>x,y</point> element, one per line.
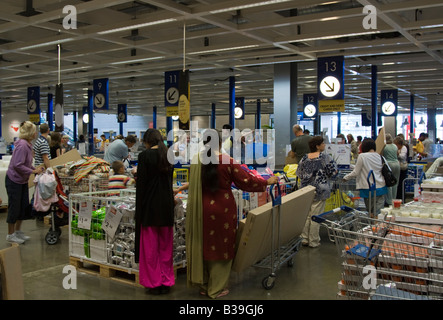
<point>121,241</point>
<point>109,237</point>
<point>179,253</point>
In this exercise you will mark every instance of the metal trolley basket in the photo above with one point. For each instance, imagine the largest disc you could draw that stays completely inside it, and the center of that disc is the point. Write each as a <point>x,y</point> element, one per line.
<point>70,186</point>
<point>280,253</point>
<point>382,259</point>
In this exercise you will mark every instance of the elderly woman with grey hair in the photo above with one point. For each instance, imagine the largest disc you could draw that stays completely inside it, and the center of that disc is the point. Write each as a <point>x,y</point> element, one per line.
<point>390,152</point>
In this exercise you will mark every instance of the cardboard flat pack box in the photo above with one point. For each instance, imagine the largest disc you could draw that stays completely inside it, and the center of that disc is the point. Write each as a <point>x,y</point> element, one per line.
<point>72,155</point>
<point>255,232</point>
<point>11,274</point>
<point>380,142</point>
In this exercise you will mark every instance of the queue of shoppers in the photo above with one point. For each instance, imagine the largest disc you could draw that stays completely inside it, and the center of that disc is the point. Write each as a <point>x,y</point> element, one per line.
<point>211,220</point>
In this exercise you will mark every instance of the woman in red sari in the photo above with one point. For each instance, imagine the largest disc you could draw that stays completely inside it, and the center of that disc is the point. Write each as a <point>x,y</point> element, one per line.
<point>211,244</point>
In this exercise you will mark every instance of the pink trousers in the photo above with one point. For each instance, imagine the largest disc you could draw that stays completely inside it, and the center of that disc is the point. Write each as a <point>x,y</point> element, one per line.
<point>155,260</point>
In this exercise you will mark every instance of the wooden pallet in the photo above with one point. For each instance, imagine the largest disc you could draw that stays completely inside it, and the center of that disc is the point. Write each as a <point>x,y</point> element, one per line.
<point>106,270</point>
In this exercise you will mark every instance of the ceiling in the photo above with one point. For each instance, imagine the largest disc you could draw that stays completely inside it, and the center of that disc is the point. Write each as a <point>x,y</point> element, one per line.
<point>134,42</point>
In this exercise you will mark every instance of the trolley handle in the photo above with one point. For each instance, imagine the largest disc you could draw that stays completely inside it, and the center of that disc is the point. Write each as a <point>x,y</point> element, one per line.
<point>321,217</point>
<point>276,201</point>
<point>422,176</point>
<point>371,186</point>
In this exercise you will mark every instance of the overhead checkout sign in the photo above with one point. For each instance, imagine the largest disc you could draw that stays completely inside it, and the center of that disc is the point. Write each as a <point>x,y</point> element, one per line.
<point>239,110</point>
<point>101,94</point>
<point>389,102</point>
<point>177,96</point>
<point>122,113</point>
<point>310,106</point>
<point>330,84</point>
<point>33,107</point>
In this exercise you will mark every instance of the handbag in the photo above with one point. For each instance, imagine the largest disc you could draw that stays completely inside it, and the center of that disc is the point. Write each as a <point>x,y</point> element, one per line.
<point>403,166</point>
<point>387,173</point>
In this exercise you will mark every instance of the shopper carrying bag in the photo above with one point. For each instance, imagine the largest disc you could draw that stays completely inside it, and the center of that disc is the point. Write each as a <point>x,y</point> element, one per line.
<point>369,160</point>
<point>390,179</point>
<point>16,182</point>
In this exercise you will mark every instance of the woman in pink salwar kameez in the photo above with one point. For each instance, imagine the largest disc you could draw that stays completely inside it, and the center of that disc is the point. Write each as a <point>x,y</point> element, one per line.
<point>154,217</point>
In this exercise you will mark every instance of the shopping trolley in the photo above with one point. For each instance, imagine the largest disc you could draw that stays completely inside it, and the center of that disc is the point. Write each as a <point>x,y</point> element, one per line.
<point>280,254</point>
<point>382,259</point>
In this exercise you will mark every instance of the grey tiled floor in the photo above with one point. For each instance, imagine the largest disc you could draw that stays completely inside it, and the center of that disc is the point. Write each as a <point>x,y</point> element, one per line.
<point>314,275</point>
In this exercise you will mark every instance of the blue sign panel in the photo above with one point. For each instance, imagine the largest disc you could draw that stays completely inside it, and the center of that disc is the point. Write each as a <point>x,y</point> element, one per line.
<point>172,94</point>
<point>239,110</point>
<point>330,78</point>
<point>366,119</point>
<point>310,106</point>
<point>122,113</point>
<point>33,106</point>
<point>101,94</point>
<point>389,102</point>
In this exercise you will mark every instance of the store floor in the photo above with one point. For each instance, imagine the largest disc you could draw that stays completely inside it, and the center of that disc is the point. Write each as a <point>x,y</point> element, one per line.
<point>314,275</point>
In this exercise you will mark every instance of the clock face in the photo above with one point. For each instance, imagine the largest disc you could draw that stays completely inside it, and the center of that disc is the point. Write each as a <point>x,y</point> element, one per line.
<point>59,114</point>
<point>310,110</point>
<point>32,105</point>
<point>238,112</point>
<point>121,117</point>
<point>388,108</point>
<point>330,86</point>
<point>99,100</point>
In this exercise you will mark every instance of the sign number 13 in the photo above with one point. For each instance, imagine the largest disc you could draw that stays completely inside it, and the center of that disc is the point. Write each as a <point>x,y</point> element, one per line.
<point>331,66</point>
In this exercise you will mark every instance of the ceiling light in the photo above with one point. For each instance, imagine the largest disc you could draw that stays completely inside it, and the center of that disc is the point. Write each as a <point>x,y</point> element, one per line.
<point>421,121</point>
<point>45,44</point>
<point>136,26</point>
<point>441,126</point>
<point>329,19</point>
<point>224,49</point>
<point>405,122</point>
<point>137,60</point>
<point>245,6</point>
<point>333,36</point>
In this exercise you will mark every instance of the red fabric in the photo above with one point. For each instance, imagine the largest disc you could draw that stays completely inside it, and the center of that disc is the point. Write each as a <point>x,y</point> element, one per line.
<point>220,210</point>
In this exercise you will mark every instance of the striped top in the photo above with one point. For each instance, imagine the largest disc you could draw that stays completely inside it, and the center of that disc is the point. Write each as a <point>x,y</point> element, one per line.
<point>41,147</point>
<point>120,181</point>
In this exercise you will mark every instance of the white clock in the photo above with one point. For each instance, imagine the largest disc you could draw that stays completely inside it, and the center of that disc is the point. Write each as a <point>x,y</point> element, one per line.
<point>32,105</point>
<point>59,115</point>
<point>388,108</point>
<point>330,86</point>
<point>310,110</point>
<point>121,117</point>
<point>238,112</point>
<point>99,100</point>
